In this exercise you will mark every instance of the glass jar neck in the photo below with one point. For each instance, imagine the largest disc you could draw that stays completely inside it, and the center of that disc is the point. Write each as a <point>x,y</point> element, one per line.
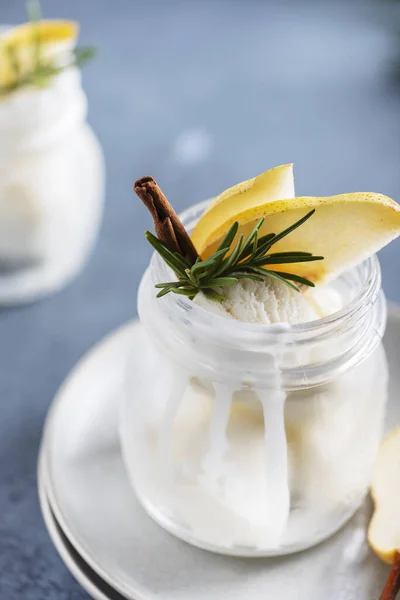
<point>213,347</point>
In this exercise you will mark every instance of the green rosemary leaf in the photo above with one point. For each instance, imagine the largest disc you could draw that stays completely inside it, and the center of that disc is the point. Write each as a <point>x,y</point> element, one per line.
<point>250,237</point>
<point>204,265</point>
<point>164,292</point>
<point>172,284</point>
<point>262,246</point>
<point>219,264</point>
<point>221,281</point>
<point>298,223</point>
<point>297,278</point>
<point>164,285</point>
<point>209,267</point>
<point>217,254</point>
<point>166,254</point>
<point>159,245</point>
<point>229,237</point>
<point>83,54</point>
<point>185,264</point>
<point>192,277</point>
<point>185,260</point>
<point>276,260</point>
<point>254,249</point>
<point>247,276</point>
<point>43,73</point>
<point>274,275</point>
<point>247,268</point>
<point>234,257</point>
<point>291,253</point>
<point>265,238</point>
<point>169,287</point>
<point>183,292</point>
<point>201,267</point>
<point>213,295</point>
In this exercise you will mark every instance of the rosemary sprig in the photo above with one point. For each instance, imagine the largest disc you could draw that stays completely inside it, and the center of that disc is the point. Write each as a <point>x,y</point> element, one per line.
<point>248,259</point>
<point>43,70</point>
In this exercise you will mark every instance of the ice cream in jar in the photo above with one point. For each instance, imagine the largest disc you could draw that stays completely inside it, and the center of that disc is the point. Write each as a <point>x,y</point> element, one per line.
<point>51,164</point>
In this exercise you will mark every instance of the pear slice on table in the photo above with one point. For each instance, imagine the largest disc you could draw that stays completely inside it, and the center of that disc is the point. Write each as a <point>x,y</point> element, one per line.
<point>54,37</point>
<point>384,529</point>
<point>345,229</point>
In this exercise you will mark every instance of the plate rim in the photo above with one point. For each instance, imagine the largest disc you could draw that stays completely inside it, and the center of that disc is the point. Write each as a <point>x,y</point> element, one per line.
<point>48,519</point>
<point>112,337</point>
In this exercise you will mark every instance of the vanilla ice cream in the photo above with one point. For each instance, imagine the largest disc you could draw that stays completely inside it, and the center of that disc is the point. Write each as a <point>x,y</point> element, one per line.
<point>271,301</point>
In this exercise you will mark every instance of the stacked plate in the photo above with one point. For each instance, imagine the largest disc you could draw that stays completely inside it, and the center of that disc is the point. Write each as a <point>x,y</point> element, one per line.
<point>117,552</point>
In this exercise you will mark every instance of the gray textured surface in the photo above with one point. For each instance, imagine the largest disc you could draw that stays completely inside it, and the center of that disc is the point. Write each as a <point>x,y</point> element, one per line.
<point>200,94</point>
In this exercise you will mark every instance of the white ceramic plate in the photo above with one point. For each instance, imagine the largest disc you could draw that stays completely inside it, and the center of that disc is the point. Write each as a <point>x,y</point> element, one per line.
<point>91,498</point>
<point>89,579</point>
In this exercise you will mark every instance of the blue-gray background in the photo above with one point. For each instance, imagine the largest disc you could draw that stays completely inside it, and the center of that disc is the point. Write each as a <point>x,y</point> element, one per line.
<point>201,94</point>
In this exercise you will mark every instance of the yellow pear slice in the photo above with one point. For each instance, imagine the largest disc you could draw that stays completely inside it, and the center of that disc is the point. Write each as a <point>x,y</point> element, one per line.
<point>345,229</point>
<point>277,183</point>
<point>49,31</point>
<point>384,529</point>
<point>55,37</point>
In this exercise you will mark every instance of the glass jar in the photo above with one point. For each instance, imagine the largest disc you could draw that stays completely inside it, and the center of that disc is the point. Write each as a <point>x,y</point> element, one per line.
<point>252,439</point>
<point>51,187</point>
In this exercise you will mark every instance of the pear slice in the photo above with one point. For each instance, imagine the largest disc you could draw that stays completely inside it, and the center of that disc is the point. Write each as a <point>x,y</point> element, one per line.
<point>384,529</point>
<point>55,37</point>
<point>277,183</point>
<point>50,31</point>
<point>345,229</point>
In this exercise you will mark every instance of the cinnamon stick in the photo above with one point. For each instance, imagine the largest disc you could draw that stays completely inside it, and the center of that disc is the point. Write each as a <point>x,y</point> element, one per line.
<point>392,587</point>
<point>168,226</point>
